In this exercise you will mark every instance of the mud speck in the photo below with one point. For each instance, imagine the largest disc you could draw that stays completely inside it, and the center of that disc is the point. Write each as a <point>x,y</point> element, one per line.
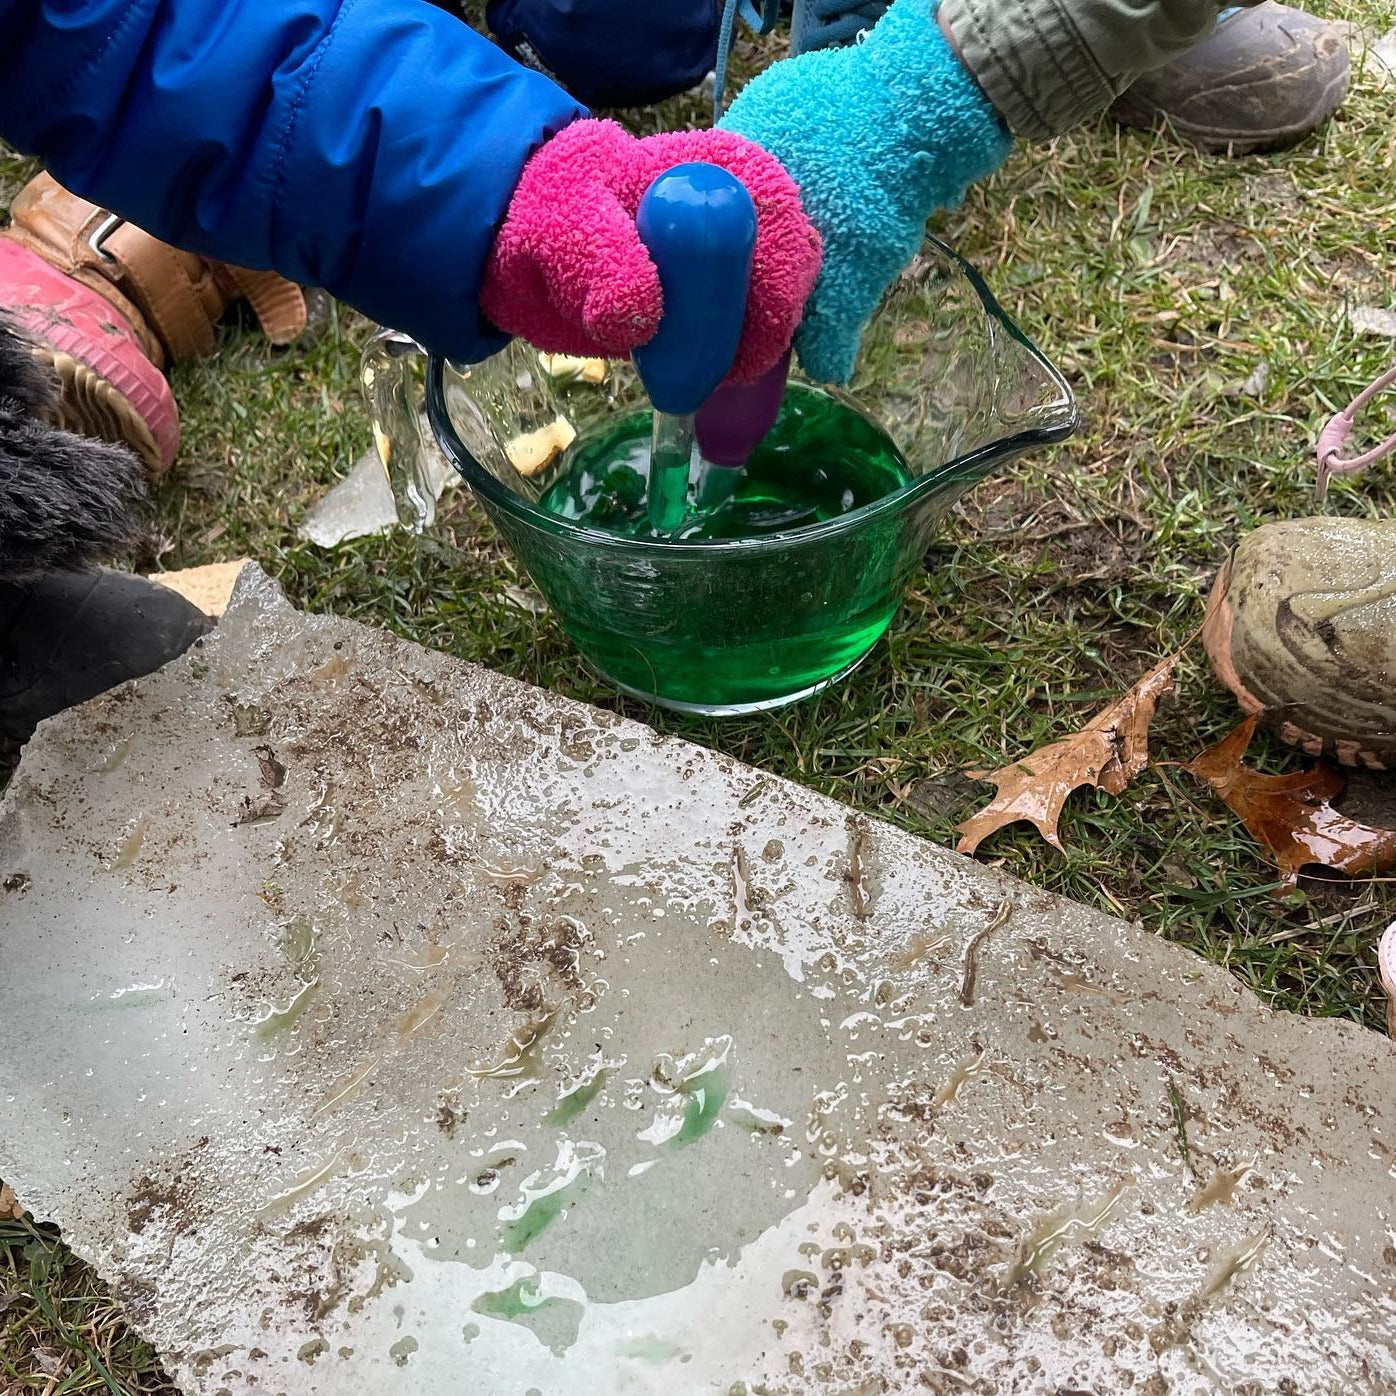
<point>970,967</point>
<point>264,805</point>
<point>310,1228</point>
<point>533,961</point>
<point>308,1352</point>
<point>856,874</point>
<point>448,1115</point>
<point>171,1202</point>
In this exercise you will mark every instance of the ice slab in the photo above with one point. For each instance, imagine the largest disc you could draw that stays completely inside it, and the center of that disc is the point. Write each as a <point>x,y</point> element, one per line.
<point>376,1023</point>
<point>362,504</point>
<point>1377,56</point>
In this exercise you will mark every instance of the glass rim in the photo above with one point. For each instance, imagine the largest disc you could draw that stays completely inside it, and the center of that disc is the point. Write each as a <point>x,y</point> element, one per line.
<point>974,463</point>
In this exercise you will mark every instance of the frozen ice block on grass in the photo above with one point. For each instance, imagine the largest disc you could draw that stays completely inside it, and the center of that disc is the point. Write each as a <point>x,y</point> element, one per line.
<point>512,1047</point>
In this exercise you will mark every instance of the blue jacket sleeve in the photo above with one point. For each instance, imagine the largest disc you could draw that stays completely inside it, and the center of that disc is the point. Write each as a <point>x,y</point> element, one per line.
<point>366,146</point>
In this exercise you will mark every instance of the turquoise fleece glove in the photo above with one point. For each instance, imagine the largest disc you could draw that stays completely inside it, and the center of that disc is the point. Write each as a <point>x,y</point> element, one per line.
<point>878,136</point>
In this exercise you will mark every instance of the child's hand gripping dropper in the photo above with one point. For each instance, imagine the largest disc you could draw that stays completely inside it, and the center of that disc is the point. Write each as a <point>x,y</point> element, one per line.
<point>699,225</point>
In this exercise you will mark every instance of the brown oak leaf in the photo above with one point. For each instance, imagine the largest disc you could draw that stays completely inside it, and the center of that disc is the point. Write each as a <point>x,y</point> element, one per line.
<point>1292,815</point>
<point>10,1210</point>
<point>1109,751</point>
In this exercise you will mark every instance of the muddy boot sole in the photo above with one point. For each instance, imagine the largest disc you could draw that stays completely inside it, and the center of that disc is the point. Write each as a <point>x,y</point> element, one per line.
<point>109,387</point>
<point>1217,629</point>
<point>89,405</point>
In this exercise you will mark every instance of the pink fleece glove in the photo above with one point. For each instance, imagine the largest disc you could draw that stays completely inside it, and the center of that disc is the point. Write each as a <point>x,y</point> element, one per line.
<point>569,273</point>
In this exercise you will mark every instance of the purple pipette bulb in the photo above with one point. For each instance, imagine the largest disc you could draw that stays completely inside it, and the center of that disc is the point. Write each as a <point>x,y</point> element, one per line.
<point>731,423</point>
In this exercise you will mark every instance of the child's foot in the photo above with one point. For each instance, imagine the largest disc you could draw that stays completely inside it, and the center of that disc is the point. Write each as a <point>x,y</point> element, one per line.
<point>1266,78</point>
<point>110,307</point>
<point>1302,629</point>
<point>108,387</point>
<point>828,23</point>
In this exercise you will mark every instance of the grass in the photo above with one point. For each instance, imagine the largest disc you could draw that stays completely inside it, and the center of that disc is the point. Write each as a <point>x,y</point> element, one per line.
<point>60,1332</point>
<point>1161,281</point>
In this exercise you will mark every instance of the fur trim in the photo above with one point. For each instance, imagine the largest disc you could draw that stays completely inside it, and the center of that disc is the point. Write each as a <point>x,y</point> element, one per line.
<point>65,500</point>
<point>23,379</point>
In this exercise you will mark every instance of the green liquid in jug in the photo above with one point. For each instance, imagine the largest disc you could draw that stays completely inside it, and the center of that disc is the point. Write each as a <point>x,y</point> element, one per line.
<point>734,630</point>
<point>820,460</point>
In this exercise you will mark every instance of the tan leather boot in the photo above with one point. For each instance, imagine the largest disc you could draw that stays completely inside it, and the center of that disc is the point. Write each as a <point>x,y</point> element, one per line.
<point>112,307</point>
<point>1301,627</point>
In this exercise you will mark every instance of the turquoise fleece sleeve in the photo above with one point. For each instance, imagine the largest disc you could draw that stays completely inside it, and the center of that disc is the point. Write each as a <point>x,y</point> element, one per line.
<point>878,136</point>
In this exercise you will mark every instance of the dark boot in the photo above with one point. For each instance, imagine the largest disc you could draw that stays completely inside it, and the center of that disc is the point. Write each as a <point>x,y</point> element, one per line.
<point>1267,77</point>
<point>830,23</point>
<point>67,636</point>
<point>68,632</point>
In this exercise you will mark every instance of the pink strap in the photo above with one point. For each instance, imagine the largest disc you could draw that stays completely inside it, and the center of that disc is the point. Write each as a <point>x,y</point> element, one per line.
<point>1335,435</point>
<point>1386,963</point>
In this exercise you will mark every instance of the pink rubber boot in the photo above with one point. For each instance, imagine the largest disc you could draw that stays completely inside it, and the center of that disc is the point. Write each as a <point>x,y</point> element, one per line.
<point>108,386</point>
<point>111,307</point>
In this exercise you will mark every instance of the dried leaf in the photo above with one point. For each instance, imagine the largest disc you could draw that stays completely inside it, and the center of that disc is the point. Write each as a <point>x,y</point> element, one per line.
<point>273,772</point>
<point>49,1362</point>
<point>1292,815</point>
<point>1373,320</point>
<point>10,1210</point>
<point>526,599</point>
<point>1108,752</point>
<point>210,587</point>
<point>265,804</point>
